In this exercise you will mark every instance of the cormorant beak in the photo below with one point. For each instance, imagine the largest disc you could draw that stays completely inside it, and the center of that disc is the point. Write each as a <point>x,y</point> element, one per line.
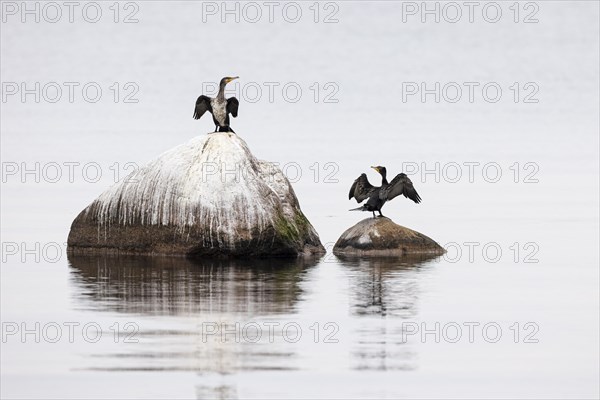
<point>230,79</point>
<point>375,168</point>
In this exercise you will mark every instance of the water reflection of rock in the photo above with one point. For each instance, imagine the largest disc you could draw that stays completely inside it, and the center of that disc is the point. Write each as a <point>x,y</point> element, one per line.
<point>216,392</point>
<point>171,286</point>
<point>384,288</point>
<point>172,300</point>
<point>385,285</point>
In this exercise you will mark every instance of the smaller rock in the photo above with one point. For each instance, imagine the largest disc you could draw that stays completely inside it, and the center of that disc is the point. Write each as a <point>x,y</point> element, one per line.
<point>382,237</point>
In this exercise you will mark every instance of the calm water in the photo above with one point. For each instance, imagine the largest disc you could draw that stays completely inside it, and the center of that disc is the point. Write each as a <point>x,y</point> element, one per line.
<point>515,317</point>
<point>179,328</point>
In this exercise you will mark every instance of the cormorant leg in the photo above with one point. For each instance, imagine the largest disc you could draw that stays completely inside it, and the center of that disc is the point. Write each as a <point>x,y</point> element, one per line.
<point>216,127</point>
<point>374,216</point>
<point>380,214</point>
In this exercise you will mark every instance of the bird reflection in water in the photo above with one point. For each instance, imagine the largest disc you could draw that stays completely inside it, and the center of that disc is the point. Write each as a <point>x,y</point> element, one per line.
<point>170,298</point>
<point>385,285</point>
<point>383,290</point>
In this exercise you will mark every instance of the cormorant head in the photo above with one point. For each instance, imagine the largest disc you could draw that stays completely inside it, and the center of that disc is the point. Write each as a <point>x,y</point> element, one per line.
<point>227,79</point>
<point>381,170</point>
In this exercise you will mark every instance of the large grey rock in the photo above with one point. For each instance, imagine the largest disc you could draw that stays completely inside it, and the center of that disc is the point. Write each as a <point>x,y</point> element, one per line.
<point>382,237</point>
<point>208,197</point>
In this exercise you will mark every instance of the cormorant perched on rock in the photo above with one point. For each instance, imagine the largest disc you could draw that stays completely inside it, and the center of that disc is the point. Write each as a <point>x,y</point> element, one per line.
<point>219,107</point>
<point>361,189</point>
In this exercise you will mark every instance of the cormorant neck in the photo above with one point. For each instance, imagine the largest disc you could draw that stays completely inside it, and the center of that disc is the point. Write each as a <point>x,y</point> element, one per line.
<point>221,95</point>
<point>384,179</point>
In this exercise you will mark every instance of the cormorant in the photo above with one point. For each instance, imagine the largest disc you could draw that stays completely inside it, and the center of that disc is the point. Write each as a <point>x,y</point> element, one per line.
<point>219,107</point>
<point>361,189</point>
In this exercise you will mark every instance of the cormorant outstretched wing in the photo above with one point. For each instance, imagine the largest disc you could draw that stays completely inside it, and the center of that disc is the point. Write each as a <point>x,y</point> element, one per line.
<point>232,106</point>
<point>400,185</point>
<point>361,189</point>
<point>202,105</point>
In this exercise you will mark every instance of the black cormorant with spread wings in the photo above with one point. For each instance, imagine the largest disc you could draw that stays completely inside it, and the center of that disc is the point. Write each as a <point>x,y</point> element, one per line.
<point>219,107</point>
<point>361,189</point>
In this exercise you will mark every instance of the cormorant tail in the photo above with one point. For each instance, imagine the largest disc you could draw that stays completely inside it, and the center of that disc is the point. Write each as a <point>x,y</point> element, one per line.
<point>361,208</point>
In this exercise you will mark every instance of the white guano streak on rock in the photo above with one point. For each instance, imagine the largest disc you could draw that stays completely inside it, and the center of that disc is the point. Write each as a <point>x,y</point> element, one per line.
<point>212,181</point>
